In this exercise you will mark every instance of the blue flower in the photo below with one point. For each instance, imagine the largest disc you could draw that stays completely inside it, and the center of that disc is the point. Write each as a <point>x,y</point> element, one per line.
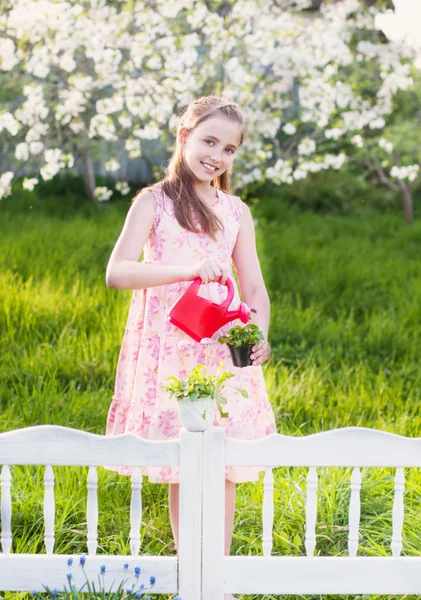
<point>141,587</point>
<point>138,595</point>
<point>177,598</point>
<point>54,592</point>
<point>34,593</point>
<point>69,577</point>
<point>82,560</point>
<point>129,591</point>
<point>126,566</point>
<point>70,562</point>
<point>103,569</point>
<point>152,580</point>
<point>137,572</point>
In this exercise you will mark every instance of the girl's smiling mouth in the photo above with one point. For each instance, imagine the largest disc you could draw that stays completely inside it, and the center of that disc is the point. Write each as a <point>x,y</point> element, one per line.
<point>209,168</point>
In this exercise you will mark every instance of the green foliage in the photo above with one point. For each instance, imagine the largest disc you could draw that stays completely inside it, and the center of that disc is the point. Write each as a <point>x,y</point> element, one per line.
<point>242,334</point>
<point>344,192</point>
<point>201,385</point>
<point>197,384</point>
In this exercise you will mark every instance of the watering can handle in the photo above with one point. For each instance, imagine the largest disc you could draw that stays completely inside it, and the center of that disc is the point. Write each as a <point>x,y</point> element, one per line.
<point>198,282</point>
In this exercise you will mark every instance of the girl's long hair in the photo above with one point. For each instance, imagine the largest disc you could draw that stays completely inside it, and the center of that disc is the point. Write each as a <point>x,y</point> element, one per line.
<point>178,182</point>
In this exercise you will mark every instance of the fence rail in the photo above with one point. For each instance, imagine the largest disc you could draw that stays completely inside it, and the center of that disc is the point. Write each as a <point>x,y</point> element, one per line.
<point>201,571</point>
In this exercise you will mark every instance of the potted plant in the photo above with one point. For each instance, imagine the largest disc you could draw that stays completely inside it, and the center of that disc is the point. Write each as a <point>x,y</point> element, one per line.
<point>197,394</point>
<point>240,340</point>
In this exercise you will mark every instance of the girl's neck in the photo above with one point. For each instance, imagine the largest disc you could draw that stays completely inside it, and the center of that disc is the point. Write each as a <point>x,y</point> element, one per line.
<point>208,193</point>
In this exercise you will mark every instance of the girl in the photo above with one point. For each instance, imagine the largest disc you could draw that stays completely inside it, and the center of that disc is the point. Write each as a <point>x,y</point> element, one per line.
<point>189,225</point>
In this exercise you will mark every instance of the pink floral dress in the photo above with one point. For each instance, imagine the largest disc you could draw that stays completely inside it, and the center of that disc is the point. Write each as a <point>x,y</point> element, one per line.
<point>153,348</point>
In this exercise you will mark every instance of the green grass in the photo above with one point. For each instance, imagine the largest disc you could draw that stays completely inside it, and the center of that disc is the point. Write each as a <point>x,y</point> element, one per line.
<point>346,308</point>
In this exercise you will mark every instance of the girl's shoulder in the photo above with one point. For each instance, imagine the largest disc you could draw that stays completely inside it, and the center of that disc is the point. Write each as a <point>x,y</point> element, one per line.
<point>151,197</point>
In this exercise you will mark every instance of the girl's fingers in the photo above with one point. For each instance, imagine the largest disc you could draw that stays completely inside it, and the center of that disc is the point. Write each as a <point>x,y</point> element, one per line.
<point>224,275</point>
<point>260,353</point>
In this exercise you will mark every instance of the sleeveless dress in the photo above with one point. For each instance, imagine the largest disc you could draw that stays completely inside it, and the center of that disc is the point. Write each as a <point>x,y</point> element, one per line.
<point>153,348</point>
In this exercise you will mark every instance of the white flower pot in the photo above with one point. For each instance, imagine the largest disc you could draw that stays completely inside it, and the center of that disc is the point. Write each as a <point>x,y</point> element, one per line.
<point>197,415</point>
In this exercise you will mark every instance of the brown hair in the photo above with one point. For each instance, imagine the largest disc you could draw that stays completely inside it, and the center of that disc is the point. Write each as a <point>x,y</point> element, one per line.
<point>178,181</point>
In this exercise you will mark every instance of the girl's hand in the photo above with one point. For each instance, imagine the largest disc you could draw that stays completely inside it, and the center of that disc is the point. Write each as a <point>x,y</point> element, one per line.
<point>209,270</point>
<point>260,353</point>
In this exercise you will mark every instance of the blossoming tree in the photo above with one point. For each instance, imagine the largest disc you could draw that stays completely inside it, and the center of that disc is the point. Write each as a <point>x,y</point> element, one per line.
<point>393,155</point>
<point>97,74</point>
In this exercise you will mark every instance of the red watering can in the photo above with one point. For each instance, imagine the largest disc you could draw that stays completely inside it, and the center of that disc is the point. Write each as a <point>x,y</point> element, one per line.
<point>199,317</point>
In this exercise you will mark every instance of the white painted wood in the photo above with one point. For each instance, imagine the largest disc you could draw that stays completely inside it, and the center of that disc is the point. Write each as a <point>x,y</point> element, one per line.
<point>268,510</point>
<point>347,447</point>
<point>49,509</point>
<point>56,445</point>
<point>322,575</point>
<point>92,511</point>
<point>26,572</point>
<point>201,572</point>
<point>311,511</point>
<point>213,549</point>
<point>190,515</point>
<point>6,510</point>
<point>354,512</point>
<point>136,511</point>
<point>398,512</point>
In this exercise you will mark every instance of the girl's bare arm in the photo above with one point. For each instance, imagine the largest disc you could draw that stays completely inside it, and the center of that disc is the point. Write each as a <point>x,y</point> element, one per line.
<point>125,272</point>
<point>252,285</point>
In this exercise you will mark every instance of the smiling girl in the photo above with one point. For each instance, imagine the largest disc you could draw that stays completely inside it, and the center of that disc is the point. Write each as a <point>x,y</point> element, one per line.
<point>189,225</point>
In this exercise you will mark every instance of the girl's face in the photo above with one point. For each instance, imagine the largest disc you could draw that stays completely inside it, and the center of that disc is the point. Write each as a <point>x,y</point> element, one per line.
<point>210,147</point>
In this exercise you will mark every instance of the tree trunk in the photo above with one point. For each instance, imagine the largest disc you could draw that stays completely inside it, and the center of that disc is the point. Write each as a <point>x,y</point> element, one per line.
<point>407,202</point>
<point>88,175</point>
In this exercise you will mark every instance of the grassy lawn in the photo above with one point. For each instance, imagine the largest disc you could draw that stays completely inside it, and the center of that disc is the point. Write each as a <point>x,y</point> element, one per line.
<point>346,309</point>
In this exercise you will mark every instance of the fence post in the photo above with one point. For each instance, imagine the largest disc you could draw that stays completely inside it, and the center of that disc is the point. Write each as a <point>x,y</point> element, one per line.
<point>190,525</point>
<point>213,514</point>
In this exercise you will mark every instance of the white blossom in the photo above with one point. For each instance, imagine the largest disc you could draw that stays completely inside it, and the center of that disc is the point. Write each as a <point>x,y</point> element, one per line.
<point>112,165</point>
<point>410,172</point>
<point>67,62</point>
<point>8,57</point>
<point>102,126</point>
<point>333,134</point>
<point>5,184</point>
<point>306,146</point>
<point>388,146</point>
<point>102,194</point>
<point>378,123</point>
<point>122,76</point>
<point>37,132</point>
<point>335,161</point>
<point>8,122</point>
<point>29,184</point>
<point>36,147</point>
<point>133,148</point>
<point>147,133</point>
<point>55,160</point>
<point>289,129</point>
<point>22,151</point>
<point>358,141</point>
<point>77,126</point>
<point>122,187</point>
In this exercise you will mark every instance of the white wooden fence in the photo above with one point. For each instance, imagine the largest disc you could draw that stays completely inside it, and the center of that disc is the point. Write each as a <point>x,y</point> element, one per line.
<point>201,571</point>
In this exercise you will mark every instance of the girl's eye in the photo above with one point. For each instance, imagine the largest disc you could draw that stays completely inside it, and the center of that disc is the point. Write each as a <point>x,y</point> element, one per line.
<point>230,150</point>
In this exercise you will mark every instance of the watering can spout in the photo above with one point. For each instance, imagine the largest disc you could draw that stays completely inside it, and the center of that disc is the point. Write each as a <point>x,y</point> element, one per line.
<point>242,313</point>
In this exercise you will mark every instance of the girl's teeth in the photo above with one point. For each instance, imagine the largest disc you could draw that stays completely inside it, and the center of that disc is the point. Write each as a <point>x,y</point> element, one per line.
<point>208,167</point>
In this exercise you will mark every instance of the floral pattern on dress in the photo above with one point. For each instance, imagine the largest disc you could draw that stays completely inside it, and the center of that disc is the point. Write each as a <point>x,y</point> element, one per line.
<point>153,348</point>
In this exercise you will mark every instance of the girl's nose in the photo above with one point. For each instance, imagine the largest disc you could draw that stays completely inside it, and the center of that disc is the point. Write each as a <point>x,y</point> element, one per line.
<point>216,157</point>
